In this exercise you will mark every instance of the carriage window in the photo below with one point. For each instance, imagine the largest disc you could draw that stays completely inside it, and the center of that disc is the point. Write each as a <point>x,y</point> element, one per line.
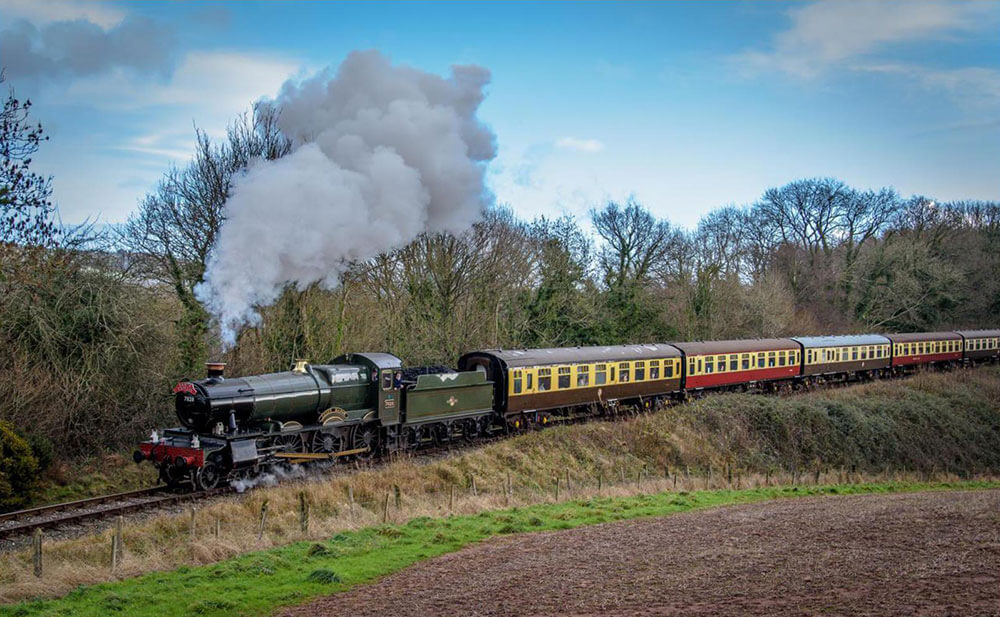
<point>781,358</point>
<point>761,360</point>
<point>771,359</point>
<point>517,382</point>
<point>544,379</point>
<point>654,369</point>
<point>734,362</point>
<point>710,364</point>
<point>640,371</point>
<point>864,353</point>
<point>564,377</point>
<point>623,372</point>
<point>600,374</point>
<point>582,376</point>
<point>668,369</point>
<point>691,366</point>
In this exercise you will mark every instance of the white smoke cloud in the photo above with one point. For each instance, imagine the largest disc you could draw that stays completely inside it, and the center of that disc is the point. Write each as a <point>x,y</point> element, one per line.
<point>382,153</point>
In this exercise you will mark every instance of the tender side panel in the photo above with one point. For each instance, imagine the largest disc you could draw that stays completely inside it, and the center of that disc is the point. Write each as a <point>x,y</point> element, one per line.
<point>445,396</point>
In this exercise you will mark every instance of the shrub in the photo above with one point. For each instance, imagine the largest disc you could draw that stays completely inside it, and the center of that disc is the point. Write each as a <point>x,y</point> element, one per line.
<point>18,469</point>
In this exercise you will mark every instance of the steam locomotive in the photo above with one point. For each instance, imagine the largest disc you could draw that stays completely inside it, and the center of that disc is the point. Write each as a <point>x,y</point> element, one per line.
<point>367,404</point>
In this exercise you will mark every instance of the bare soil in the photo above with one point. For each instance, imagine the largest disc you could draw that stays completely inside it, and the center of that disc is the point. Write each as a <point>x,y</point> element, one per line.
<point>916,554</point>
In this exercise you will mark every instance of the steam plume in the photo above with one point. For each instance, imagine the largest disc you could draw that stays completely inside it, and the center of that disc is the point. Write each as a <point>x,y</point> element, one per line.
<point>381,154</point>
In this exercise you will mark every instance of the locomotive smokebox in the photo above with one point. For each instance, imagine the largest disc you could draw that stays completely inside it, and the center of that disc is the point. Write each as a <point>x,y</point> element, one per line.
<point>215,369</point>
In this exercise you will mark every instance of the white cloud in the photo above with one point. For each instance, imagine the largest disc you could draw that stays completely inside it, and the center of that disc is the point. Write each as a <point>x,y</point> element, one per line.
<point>975,86</point>
<point>47,11</point>
<point>589,146</point>
<point>827,34</point>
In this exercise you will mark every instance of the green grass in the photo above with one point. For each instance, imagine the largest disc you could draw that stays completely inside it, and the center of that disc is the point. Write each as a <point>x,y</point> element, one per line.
<point>259,583</point>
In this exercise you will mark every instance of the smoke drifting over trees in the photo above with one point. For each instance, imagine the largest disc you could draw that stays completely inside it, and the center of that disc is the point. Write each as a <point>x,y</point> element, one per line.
<point>381,154</point>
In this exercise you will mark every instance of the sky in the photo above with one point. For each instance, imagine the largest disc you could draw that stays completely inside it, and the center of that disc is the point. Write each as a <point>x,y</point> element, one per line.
<point>685,106</point>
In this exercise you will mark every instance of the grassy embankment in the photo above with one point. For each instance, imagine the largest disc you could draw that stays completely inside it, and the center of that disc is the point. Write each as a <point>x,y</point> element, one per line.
<point>938,426</point>
<point>261,582</point>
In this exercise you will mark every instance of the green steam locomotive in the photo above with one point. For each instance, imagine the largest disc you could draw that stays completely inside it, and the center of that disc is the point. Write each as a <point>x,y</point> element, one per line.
<point>358,406</point>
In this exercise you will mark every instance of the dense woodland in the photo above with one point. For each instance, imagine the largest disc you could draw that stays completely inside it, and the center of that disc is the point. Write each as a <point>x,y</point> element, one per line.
<point>96,325</point>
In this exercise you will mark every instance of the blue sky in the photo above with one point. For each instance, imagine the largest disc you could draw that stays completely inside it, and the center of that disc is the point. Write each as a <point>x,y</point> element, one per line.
<point>688,106</point>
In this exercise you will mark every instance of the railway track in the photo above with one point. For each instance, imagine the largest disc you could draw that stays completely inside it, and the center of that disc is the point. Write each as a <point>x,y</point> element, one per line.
<point>22,522</point>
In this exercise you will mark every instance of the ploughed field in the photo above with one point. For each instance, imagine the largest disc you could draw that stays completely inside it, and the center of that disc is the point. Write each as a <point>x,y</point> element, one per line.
<point>934,553</point>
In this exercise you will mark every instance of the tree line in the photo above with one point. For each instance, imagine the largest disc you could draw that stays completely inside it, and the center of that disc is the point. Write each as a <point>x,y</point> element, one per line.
<point>95,327</point>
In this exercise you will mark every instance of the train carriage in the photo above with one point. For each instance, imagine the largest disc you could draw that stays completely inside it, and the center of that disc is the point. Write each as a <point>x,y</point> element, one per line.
<point>721,364</point>
<point>916,348</point>
<point>828,356</point>
<point>537,380</point>
<point>980,345</point>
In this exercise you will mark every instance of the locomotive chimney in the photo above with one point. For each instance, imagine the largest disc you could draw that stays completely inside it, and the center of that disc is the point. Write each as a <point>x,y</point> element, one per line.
<point>215,369</point>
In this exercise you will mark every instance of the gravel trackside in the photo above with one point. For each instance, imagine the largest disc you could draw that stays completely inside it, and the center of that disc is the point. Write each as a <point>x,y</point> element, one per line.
<point>935,553</point>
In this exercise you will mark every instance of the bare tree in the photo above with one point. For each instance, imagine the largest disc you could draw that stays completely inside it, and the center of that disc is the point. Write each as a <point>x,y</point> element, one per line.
<point>176,225</point>
<point>634,243</point>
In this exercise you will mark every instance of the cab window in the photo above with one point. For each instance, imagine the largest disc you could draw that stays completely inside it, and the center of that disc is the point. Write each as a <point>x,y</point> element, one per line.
<point>387,380</point>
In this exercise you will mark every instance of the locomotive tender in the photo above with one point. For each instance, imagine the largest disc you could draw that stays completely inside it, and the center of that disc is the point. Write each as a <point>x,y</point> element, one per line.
<point>366,404</point>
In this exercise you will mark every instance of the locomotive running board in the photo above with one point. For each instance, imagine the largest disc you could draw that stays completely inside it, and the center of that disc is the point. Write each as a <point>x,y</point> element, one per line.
<point>301,457</point>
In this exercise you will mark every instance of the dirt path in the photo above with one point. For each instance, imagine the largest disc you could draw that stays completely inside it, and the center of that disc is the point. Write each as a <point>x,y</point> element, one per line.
<point>913,554</point>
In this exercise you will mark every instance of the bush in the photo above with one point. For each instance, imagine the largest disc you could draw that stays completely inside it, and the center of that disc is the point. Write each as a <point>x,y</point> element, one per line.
<point>18,469</point>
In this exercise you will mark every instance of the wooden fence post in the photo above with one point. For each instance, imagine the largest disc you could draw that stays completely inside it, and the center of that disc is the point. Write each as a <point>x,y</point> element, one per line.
<point>510,487</point>
<point>36,546</point>
<point>817,476</point>
<point>569,487</point>
<point>385,509</point>
<point>451,501</point>
<point>600,481</point>
<point>116,544</point>
<point>191,526</point>
<point>218,527</point>
<point>263,520</point>
<point>303,512</point>
<point>729,475</point>
<point>350,498</point>
<point>557,488</point>
<point>622,473</point>
<point>398,496</point>
<point>475,491</point>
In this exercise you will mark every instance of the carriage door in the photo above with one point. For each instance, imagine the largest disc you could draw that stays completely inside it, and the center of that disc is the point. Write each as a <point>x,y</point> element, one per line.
<point>388,397</point>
